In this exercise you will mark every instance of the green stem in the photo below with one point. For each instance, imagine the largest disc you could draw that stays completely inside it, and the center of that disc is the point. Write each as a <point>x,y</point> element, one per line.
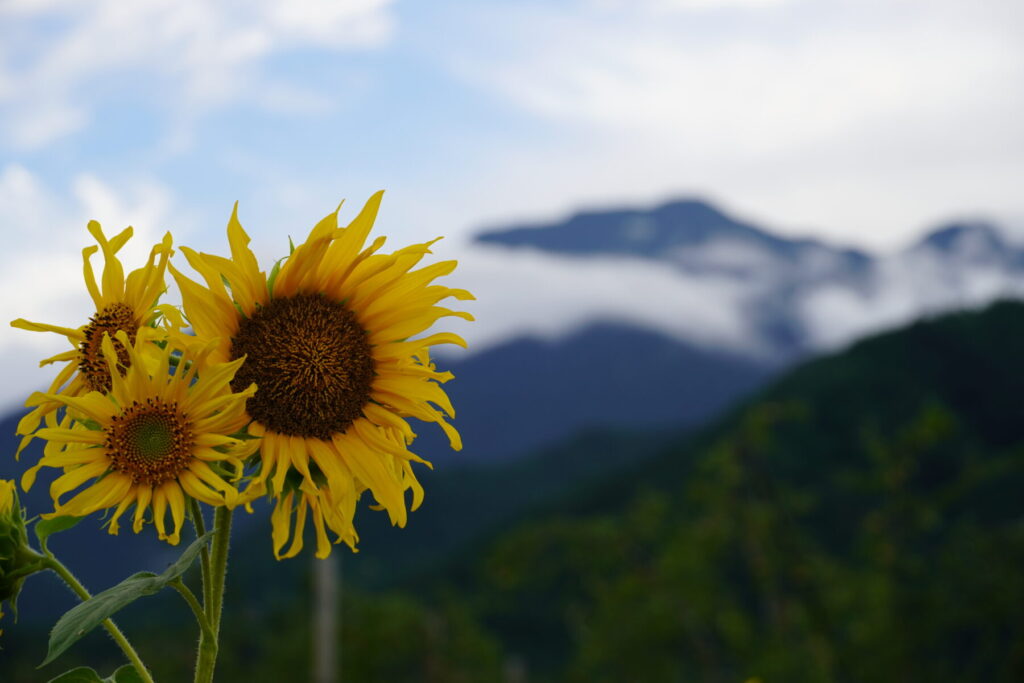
<point>27,570</point>
<point>219,562</point>
<point>207,659</point>
<point>64,573</point>
<point>196,513</point>
<point>193,602</point>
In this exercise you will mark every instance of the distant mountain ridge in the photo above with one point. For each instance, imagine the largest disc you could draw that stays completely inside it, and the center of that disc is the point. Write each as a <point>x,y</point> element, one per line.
<point>803,295</point>
<point>657,234</point>
<point>527,393</point>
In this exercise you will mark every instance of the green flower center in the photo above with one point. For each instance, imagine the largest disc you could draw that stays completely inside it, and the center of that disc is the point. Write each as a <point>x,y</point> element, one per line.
<point>151,442</point>
<point>311,362</point>
<point>153,437</point>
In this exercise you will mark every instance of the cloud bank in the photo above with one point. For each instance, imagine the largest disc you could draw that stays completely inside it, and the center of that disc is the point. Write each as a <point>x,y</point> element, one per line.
<point>186,55</point>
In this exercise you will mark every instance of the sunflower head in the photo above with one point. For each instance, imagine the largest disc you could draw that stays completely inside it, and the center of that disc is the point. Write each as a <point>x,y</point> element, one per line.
<point>112,319</point>
<point>153,439</point>
<point>333,341</point>
<point>312,364</point>
<point>121,305</point>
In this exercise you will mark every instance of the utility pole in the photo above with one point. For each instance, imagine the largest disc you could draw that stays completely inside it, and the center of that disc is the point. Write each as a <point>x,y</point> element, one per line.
<point>326,610</point>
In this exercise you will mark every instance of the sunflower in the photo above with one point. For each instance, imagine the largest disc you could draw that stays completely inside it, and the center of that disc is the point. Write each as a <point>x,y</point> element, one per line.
<point>122,304</point>
<point>154,438</point>
<point>327,341</point>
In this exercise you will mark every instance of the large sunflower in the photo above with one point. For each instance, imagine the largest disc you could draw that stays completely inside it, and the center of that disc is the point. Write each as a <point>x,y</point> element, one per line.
<point>327,341</point>
<point>154,438</point>
<point>122,304</point>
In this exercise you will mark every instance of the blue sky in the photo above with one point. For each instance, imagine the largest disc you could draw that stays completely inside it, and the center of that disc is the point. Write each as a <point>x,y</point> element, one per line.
<point>859,121</point>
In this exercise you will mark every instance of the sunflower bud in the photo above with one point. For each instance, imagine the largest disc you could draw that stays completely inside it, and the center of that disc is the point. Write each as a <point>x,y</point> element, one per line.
<point>17,558</point>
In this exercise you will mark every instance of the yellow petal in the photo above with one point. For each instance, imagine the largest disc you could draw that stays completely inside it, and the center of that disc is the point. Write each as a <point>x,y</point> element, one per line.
<point>76,477</point>
<point>74,335</point>
<point>176,501</point>
<point>113,273</point>
<point>280,521</point>
<point>145,494</point>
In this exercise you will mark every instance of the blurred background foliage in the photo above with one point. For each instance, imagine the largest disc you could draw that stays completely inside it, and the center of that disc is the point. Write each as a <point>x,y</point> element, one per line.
<point>860,519</point>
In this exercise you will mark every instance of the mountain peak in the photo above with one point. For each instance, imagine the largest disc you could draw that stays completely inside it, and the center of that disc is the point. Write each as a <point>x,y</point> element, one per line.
<point>652,233</point>
<point>962,235</point>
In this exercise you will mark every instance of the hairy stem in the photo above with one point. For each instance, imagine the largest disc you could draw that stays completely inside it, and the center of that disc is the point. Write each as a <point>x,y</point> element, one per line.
<point>65,574</point>
<point>196,513</point>
<point>207,659</point>
<point>193,603</point>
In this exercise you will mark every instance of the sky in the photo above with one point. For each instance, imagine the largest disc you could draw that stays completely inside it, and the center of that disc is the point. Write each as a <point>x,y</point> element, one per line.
<point>861,122</point>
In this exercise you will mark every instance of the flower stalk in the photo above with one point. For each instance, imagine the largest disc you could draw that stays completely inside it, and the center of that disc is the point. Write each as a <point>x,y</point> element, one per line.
<point>57,567</point>
<point>206,660</point>
<point>196,513</point>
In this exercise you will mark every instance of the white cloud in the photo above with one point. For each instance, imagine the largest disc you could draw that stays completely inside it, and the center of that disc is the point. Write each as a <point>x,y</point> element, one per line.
<point>905,286</point>
<point>197,54</point>
<point>666,6</point>
<point>749,93</point>
<point>859,119</point>
<point>41,263</point>
<point>147,208</point>
<point>524,292</point>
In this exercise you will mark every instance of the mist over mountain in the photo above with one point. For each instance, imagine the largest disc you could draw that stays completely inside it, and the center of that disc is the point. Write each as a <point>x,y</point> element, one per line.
<point>799,296</point>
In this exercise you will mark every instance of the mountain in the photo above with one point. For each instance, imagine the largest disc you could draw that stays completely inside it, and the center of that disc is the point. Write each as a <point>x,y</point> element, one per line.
<point>691,234</point>
<point>677,231</point>
<point>528,393</point>
<point>800,296</point>
<point>980,239</point>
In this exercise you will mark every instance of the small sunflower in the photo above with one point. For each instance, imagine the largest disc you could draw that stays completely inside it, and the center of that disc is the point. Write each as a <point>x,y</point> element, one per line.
<point>327,339</point>
<point>154,438</point>
<point>122,304</point>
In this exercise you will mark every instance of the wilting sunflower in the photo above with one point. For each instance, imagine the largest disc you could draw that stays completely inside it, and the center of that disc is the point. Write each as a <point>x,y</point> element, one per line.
<point>122,304</point>
<point>327,339</point>
<point>154,438</point>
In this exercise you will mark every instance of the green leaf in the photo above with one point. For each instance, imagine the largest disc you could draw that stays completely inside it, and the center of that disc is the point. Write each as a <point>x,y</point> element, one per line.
<point>47,527</point>
<point>273,274</point>
<point>83,674</point>
<point>83,618</point>
<point>126,674</point>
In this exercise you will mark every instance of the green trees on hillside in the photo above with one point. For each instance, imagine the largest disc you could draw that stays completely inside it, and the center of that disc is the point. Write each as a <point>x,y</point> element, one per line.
<point>748,570</point>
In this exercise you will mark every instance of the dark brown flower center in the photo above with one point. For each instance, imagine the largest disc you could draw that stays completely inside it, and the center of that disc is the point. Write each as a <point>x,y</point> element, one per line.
<point>151,442</point>
<point>311,362</point>
<point>91,362</point>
